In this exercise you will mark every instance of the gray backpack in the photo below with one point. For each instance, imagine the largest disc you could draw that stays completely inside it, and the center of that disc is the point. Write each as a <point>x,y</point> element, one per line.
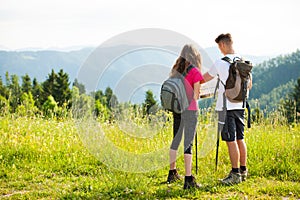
<point>173,95</point>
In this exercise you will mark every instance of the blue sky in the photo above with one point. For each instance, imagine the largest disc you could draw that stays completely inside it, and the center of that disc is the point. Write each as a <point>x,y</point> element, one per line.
<point>259,27</point>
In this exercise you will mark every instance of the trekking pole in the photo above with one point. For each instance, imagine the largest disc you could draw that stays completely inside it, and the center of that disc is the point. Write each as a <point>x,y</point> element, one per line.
<point>217,150</point>
<point>221,123</point>
<point>196,153</point>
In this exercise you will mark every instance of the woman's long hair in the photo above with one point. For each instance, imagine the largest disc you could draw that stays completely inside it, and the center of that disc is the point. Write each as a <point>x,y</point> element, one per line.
<point>189,55</point>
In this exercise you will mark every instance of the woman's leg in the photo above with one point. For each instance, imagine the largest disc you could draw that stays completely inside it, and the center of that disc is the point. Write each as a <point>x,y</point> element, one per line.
<point>190,123</point>
<point>177,135</point>
<point>173,155</point>
<point>188,164</point>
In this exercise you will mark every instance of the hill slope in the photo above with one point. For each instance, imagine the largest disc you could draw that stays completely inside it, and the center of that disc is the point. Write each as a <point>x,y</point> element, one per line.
<point>273,79</point>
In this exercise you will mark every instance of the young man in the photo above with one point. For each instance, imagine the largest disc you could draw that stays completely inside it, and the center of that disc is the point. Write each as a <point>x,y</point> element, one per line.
<point>233,130</point>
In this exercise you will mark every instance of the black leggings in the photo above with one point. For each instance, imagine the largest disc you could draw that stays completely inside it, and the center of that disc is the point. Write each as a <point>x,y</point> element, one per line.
<point>185,122</point>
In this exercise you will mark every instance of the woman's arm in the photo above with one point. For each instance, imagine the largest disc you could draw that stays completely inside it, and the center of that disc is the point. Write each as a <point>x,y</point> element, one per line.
<point>197,90</point>
<point>207,77</point>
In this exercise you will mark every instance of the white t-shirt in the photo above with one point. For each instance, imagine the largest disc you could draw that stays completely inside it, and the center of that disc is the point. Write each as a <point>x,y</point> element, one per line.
<point>221,67</point>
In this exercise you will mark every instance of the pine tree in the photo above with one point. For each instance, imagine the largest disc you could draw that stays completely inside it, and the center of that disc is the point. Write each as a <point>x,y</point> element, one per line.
<point>288,108</point>
<point>7,79</point>
<point>62,92</point>
<point>296,96</point>
<point>150,104</point>
<point>48,86</point>
<point>26,84</point>
<point>3,89</point>
<point>101,97</point>
<point>4,104</point>
<point>111,98</point>
<point>291,105</point>
<point>37,92</point>
<point>14,91</point>
<point>108,93</point>
<point>80,86</point>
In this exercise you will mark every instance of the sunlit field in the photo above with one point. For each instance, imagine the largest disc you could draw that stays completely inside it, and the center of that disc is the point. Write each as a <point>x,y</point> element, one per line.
<point>49,159</point>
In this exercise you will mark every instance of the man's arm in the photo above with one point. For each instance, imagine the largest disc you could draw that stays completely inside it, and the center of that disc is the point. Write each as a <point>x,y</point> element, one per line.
<point>207,77</point>
<point>250,82</point>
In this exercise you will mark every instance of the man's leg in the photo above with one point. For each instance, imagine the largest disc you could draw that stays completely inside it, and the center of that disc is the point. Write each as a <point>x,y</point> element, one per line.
<point>234,176</point>
<point>240,116</point>
<point>243,159</point>
<point>234,154</point>
<point>243,152</point>
<point>229,135</point>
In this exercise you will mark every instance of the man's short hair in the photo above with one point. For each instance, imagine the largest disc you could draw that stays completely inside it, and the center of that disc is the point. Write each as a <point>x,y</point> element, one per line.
<point>224,38</point>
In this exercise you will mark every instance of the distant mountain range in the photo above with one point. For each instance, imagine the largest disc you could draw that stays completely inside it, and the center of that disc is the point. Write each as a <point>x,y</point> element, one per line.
<point>121,75</point>
<point>38,63</point>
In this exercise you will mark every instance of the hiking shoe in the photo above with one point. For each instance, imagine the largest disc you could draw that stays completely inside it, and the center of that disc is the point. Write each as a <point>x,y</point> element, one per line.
<point>244,175</point>
<point>232,178</point>
<point>173,176</point>
<point>190,182</point>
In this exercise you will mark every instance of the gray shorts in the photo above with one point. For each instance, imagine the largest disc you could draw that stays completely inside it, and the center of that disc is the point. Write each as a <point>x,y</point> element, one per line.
<point>233,128</point>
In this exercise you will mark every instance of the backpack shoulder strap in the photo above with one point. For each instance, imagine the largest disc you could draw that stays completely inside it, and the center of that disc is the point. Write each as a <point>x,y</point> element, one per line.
<point>187,70</point>
<point>227,59</point>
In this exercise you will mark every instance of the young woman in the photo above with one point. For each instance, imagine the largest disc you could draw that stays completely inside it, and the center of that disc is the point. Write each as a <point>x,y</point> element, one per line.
<point>188,65</point>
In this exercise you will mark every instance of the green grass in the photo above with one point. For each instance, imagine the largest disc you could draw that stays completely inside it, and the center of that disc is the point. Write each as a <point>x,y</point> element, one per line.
<point>47,159</point>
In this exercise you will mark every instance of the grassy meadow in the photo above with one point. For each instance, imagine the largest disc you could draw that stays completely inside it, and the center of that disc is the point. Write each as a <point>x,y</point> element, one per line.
<point>47,159</point>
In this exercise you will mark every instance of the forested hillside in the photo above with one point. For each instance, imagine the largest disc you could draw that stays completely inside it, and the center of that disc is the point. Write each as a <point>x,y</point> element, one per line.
<point>274,79</point>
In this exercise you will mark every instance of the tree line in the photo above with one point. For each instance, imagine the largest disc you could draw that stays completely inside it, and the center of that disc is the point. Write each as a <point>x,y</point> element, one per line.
<point>55,96</point>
